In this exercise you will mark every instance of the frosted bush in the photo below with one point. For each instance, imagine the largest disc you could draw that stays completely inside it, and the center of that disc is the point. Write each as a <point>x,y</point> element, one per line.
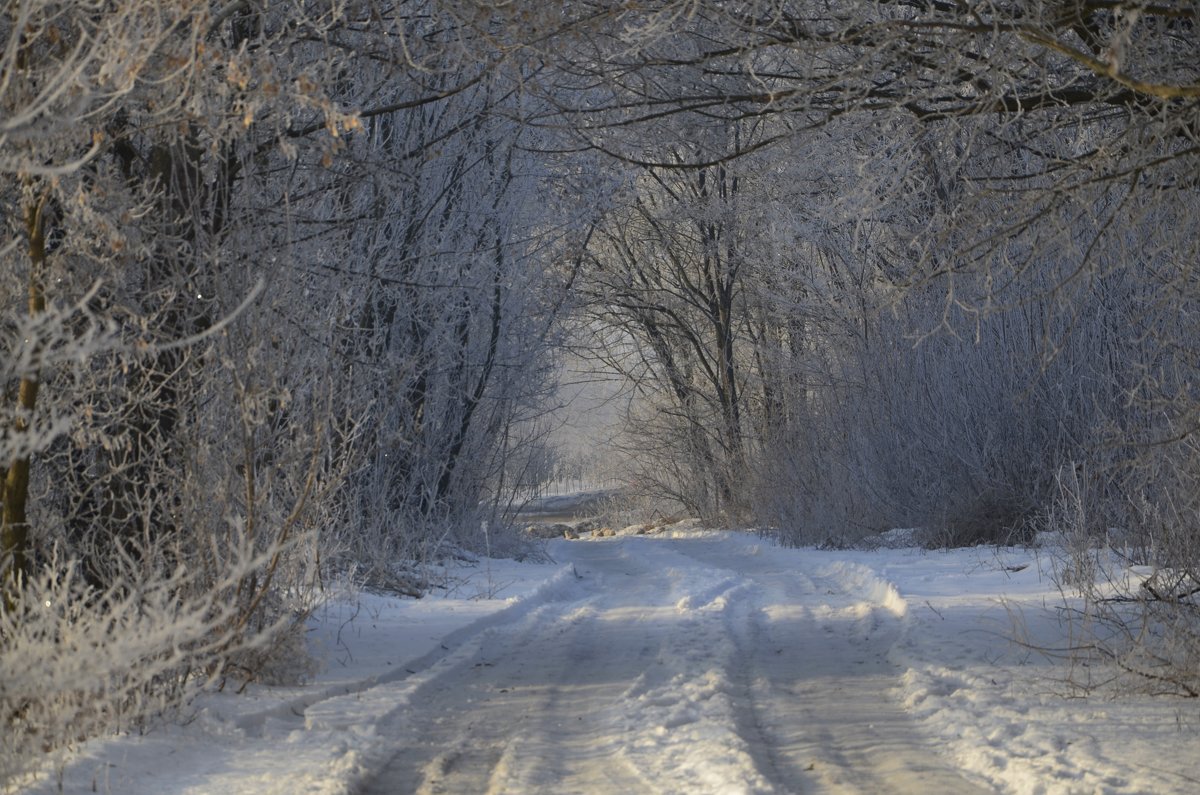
<point>1137,624</point>
<point>76,662</point>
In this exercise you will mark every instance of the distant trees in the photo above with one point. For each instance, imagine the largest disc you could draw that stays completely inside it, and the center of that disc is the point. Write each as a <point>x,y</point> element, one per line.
<point>667,271</point>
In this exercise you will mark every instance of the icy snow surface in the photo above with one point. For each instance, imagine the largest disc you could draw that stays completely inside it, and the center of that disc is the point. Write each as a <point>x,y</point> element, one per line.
<point>686,662</point>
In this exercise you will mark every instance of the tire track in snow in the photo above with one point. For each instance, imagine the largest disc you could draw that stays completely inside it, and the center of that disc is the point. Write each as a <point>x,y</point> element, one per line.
<point>687,665</point>
<point>624,691</point>
<point>821,691</point>
<point>745,626</point>
<point>490,723</point>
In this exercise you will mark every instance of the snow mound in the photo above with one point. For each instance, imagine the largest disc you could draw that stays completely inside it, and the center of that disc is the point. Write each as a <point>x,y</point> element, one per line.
<point>868,584</point>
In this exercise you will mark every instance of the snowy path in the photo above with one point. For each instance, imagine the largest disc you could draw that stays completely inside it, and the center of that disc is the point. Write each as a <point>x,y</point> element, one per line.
<point>676,666</point>
<point>691,662</point>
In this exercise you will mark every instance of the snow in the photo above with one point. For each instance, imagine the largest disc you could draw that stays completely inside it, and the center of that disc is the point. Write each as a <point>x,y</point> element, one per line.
<point>686,661</point>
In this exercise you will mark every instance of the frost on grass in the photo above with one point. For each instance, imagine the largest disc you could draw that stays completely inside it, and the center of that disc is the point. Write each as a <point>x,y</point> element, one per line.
<point>78,662</point>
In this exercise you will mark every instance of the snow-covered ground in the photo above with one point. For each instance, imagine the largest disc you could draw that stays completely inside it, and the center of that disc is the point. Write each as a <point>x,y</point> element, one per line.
<point>684,662</point>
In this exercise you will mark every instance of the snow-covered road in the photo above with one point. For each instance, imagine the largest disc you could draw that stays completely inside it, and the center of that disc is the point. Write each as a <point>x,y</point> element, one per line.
<point>689,662</point>
<point>677,665</point>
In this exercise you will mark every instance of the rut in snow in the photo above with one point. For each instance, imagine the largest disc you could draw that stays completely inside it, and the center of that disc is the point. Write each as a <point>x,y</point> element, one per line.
<point>676,667</point>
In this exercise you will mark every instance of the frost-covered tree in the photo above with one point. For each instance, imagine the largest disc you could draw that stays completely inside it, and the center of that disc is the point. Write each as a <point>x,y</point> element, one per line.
<point>667,274</point>
<point>179,426</point>
<point>1049,246</point>
<point>445,313</point>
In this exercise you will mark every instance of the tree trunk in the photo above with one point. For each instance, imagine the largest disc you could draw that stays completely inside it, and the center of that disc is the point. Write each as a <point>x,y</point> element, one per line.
<point>14,525</point>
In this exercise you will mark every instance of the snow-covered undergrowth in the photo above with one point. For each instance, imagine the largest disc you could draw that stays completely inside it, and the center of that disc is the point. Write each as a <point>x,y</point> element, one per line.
<point>982,655</point>
<point>688,661</point>
<point>79,662</point>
